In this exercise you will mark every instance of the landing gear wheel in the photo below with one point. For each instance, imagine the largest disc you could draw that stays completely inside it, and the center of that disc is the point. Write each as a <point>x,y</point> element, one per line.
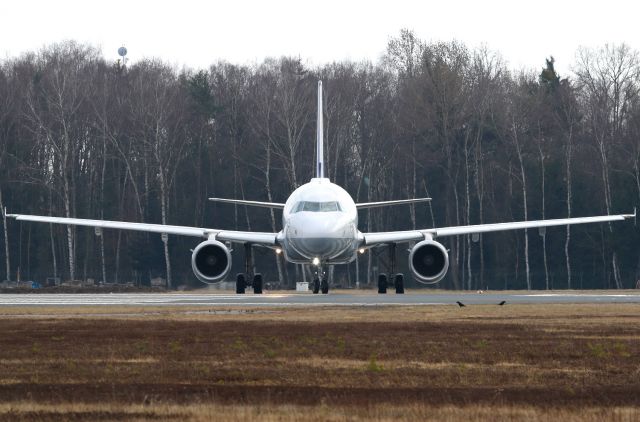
<point>399,282</point>
<point>241,284</point>
<point>324,286</point>
<point>257,284</point>
<point>316,286</point>
<point>382,284</point>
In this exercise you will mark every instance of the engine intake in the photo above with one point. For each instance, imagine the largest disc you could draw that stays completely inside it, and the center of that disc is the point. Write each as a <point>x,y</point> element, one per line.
<point>211,261</point>
<point>429,261</point>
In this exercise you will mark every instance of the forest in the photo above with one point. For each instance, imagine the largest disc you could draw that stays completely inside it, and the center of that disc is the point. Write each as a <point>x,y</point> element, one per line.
<point>81,136</point>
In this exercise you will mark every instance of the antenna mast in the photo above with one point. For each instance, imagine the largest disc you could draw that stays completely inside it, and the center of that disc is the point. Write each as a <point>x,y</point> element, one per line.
<point>122,52</point>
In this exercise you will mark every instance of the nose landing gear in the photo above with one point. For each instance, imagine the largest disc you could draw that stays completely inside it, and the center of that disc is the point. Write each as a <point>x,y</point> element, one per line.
<point>324,286</point>
<point>320,282</point>
<point>320,286</point>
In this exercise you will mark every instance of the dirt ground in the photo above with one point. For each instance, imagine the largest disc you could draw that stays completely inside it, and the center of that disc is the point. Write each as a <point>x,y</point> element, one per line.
<point>525,362</point>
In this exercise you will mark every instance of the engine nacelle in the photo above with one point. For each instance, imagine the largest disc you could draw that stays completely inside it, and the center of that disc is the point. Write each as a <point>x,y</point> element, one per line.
<point>211,261</point>
<point>429,261</point>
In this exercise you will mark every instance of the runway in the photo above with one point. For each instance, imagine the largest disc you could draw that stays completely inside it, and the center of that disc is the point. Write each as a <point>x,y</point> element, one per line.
<point>308,299</point>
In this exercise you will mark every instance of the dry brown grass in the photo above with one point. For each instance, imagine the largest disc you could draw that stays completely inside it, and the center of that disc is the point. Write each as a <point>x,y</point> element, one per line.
<point>30,411</point>
<point>527,362</point>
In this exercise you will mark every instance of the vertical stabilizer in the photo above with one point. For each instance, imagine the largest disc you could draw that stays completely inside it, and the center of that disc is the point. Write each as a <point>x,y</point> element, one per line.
<point>319,137</point>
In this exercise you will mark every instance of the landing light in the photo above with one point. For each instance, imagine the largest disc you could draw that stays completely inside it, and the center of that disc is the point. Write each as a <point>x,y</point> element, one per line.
<point>278,251</point>
<point>361,250</point>
<point>316,261</point>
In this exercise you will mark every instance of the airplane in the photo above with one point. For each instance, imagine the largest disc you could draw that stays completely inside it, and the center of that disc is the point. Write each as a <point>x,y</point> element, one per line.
<point>320,228</point>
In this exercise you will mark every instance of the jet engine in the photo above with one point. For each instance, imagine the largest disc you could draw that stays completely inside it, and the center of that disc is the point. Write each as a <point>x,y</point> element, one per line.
<point>211,261</point>
<point>429,261</point>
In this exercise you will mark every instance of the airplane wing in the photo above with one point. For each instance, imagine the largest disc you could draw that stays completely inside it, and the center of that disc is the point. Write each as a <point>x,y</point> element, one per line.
<point>276,205</point>
<point>372,239</point>
<point>259,238</point>
<point>363,205</point>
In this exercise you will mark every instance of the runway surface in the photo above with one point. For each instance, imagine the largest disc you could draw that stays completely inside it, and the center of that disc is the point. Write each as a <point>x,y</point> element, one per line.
<point>308,299</point>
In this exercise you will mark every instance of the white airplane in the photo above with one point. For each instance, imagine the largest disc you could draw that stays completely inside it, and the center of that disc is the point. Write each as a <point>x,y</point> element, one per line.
<point>320,227</point>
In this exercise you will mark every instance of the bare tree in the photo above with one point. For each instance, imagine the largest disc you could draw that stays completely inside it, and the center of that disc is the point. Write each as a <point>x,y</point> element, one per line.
<point>517,130</point>
<point>292,112</point>
<point>80,137</point>
<point>608,80</point>
<point>157,109</point>
<point>262,108</point>
<point>445,97</point>
<point>55,112</point>
<point>7,115</point>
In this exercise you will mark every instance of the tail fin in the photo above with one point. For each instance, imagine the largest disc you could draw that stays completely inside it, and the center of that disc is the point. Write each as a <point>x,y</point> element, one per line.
<point>319,136</point>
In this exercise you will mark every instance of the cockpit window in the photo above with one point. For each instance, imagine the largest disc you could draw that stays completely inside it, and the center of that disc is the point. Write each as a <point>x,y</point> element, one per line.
<point>317,206</point>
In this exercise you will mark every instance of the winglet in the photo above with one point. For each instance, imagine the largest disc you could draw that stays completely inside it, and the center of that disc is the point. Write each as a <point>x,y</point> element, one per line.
<point>634,216</point>
<point>635,212</point>
<point>5,215</point>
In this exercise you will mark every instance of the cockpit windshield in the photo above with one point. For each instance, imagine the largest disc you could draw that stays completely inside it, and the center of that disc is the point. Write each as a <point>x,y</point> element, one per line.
<point>317,206</point>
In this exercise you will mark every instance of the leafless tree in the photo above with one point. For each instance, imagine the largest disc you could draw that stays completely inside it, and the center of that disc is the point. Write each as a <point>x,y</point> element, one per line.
<point>7,120</point>
<point>56,103</point>
<point>80,136</point>
<point>609,83</point>
<point>156,106</point>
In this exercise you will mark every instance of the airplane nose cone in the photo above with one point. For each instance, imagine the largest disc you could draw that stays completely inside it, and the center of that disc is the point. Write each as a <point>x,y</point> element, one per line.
<point>323,248</point>
<point>319,235</point>
<point>317,246</point>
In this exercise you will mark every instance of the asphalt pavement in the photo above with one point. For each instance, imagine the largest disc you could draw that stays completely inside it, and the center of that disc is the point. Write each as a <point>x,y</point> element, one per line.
<point>343,298</point>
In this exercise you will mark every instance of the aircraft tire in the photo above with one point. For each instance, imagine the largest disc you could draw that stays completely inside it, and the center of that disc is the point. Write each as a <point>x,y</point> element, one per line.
<point>399,283</point>
<point>316,286</point>
<point>324,286</point>
<point>382,284</point>
<point>257,284</point>
<point>241,284</point>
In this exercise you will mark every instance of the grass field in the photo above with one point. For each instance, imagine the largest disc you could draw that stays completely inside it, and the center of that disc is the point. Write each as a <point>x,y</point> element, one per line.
<point>525,362</point>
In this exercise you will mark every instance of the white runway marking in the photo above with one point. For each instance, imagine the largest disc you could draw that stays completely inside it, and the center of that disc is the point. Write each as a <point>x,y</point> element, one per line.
<point>297,299</point>
<point>582,295</point>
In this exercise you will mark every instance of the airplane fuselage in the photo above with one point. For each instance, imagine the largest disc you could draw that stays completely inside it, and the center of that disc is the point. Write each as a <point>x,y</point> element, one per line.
<point>320,222</point>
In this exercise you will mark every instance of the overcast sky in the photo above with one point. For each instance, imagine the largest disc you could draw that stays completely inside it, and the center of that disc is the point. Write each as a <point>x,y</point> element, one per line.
<point>197,33</point>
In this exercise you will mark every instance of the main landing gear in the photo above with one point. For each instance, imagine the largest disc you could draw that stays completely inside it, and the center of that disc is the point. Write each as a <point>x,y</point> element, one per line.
<point>398,282</point>
<point>241,283</point>
<point>398,279</point>
<point>255,280</point>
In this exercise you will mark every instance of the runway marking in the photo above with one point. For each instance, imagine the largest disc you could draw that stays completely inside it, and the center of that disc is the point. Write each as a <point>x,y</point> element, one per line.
<point>297,299</point>
<point>577,295</point>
